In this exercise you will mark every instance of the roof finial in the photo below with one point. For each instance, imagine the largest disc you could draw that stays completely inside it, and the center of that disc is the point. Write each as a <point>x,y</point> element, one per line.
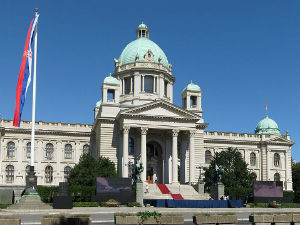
<point>191,81</point>
<point>266,109</point>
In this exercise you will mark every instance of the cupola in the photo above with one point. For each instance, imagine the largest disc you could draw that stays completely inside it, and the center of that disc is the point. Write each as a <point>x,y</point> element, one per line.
<point>142,31</point>
<point>191,98</point>
<point>110,90</point>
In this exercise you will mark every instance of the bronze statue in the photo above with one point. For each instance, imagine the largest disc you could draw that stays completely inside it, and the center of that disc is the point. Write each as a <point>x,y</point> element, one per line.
<point>138,169</point>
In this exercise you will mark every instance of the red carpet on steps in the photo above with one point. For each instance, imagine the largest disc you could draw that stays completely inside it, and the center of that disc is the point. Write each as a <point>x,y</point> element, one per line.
<point>164,189</point>
<point>176,196</point>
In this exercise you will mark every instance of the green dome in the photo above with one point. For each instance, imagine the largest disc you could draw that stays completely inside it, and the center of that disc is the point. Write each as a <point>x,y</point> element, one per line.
<point>267,126</point>
<point>142,25</point>
<point>192,87</point>
<point>140,46</point>
<point>111,80</point>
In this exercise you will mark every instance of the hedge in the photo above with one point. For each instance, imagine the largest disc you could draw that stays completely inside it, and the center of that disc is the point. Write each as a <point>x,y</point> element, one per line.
<point>47,193</point>
<point>78,193</point>
<point>85,204</point>
<point>82,193</point>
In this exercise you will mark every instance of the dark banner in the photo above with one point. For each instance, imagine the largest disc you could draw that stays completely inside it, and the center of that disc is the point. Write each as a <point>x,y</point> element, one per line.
<point>268,189</point>
<point>113,184</point>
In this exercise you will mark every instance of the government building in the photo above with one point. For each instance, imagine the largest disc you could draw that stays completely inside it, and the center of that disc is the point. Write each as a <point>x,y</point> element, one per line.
<point>137,118</point>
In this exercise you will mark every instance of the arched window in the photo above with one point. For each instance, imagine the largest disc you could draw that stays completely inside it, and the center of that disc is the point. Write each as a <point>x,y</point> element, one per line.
<point>86,149</point>
<point>276,177</point>
<point>48,174</point>
<point>10,173</point>
<point>276,159</point>
<point>68,151</point>
<point>49,151</point>
<point>207,156</point>
<point>252,159</point>
<point>28,149</point>
<point>67,171</point>
<point>10,149</point>
<point>130,146</point>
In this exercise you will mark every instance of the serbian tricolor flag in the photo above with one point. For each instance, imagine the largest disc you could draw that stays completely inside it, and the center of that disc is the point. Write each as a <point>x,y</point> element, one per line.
<point>25,73</point>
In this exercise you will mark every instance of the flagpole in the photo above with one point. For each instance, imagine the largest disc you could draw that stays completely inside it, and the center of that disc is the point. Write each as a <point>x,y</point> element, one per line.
<point>33,95</point>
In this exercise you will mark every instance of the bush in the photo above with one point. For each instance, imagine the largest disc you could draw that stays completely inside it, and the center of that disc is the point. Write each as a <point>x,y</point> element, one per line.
<point>88,169</point>
<point>82,193</point>
<point>133,204</point>
<point>47,193</point>
<point>4,206</point>
<point>289,194</point>
<point>85,204</point>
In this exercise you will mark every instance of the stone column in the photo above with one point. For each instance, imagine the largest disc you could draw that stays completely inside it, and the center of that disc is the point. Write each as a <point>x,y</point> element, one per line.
<point>268,167</point>
<point>104,95</point>
<point>125,152</point>
<point>188,101</point>
<point>174,156</point>
<point>286,170</point>
<point>192,157</point>
<point>131,88</point>
<point>143,152</point>
<point>143,83</point>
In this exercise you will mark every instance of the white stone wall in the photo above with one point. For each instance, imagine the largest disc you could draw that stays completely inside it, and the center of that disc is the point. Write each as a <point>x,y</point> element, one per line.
<point>58,134</point>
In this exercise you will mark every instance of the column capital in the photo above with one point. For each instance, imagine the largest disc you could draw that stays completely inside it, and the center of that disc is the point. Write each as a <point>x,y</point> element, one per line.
<point>126,129</point>
<point>192,132</point>
<point>175,132</point>
<point>144,130</point>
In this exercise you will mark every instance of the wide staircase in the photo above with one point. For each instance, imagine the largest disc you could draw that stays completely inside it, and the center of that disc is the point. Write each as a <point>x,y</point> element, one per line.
<point>173,191</point>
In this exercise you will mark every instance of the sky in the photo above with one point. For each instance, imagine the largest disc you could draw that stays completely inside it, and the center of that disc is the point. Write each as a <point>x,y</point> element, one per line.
<point>241,53</point>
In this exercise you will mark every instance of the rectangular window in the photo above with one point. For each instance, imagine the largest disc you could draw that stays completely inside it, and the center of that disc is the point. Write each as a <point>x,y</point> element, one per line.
<point>110,95</point>
<point>127,85</point>
<point>166,88</point>
<point>193,101</point>
<point>148,86</point>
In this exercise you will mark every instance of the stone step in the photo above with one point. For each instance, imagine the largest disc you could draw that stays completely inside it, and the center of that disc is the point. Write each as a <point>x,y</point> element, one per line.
<point>30,202</point>
<point>187,192</point>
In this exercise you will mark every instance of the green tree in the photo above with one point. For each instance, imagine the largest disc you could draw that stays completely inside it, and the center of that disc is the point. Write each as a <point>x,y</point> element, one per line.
<point>296,180</point>
<point>236,177</point>
<point>88,169</point>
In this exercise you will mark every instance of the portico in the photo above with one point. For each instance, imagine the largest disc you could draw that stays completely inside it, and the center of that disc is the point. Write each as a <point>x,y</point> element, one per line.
<point>145,125</point>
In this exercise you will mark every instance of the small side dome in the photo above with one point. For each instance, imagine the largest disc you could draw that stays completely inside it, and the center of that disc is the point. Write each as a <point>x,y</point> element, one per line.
<point>98,104</point>
<point>192,87</point>
<point>110,80</point>
<point>267,126</point>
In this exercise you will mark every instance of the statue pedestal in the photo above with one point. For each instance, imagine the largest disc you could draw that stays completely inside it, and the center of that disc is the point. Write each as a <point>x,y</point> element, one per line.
<point>217,191</point>
<point>200,188</point>
<point>140,193</point>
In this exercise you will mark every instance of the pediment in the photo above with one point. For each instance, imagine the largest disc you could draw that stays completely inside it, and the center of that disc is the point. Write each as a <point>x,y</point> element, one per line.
<point>280,140</point>
<point>160,109</point>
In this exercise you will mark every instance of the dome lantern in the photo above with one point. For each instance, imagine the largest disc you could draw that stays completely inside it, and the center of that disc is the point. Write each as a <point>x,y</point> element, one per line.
<point>142,31</point>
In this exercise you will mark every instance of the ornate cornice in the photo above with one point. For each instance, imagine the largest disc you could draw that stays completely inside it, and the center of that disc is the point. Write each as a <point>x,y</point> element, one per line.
<point>47,132</point>
<point>245,142</point>
<point>133,111</point>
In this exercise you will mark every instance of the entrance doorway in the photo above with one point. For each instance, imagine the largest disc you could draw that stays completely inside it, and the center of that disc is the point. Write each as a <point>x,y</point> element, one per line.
<point>154,163</point>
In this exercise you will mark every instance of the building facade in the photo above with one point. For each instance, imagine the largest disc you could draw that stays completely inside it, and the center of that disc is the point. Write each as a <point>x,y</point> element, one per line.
<point>136,118</point>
